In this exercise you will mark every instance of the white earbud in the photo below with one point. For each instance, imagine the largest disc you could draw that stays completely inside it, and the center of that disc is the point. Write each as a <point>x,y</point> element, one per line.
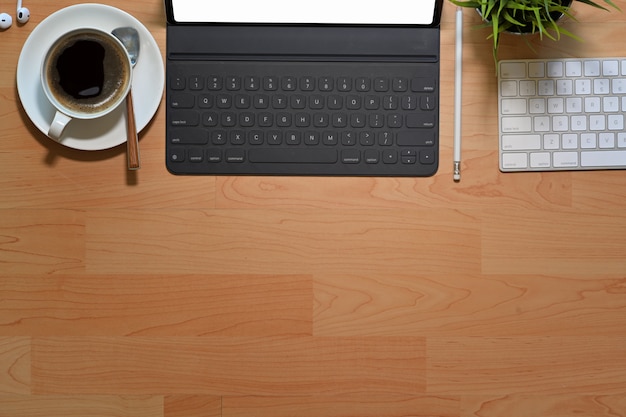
<point>23,14</point>
<point>5,21</point>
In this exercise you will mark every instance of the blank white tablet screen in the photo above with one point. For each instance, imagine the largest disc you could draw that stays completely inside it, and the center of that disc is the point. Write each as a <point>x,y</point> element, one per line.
<point>349,12</point>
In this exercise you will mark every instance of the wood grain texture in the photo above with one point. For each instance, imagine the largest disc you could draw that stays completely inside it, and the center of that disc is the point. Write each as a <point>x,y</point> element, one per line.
<point>527,365</point>
<point>81,405</point>
<point>192,406</point>
<point>563,405</point>
<point>177,305</point>
<point>42,241</point>
<point>550,243</point>
<point>146,294</point>
<point>15,365</point>
<point>270,366</point>
<point>466,305</point>
<point>279,241</point>
<point>345,405</point>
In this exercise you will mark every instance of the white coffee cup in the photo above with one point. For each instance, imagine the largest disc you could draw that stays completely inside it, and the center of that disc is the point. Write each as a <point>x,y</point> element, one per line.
<point>86,74</point>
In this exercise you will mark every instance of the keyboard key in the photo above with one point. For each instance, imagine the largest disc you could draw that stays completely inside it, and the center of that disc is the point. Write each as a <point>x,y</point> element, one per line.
<point>527,88</point>
<point>350,156</point>
<point>233,83</point>
<point>569,141</point>
<point>293,156</point>
<point>556,105</point>
<point>573,68</point>
<point>176,155</point>
<point>196,82</point>
<point>565,159</point>
<point>427,102</point>
<point>381,85</point>
<point>541,124</point>
<point>400,84</point>
<point>363,84</point>
<point>371,156</point>
<point>560,123</point>
<point>592,68</point>
<point>184,118</point>
<point>603,159</point>
<point>555,69</point>
<point>344,84</point>
<point>565,87</point>
<point>582,87</point>
<point>588,141</point>
<point>214,83</point>
<point>182,101</point>
<point>177,82</point>
<point>289,83</point>
<point>418,138</point>
<point>574,105</point>
<point>540,159</point>
<point>196,155</point>
<point>236,156</point>
<point>536,70</point>
<point>326,84</point>
<point>427,157</point>
<point>616,122</point>
<point>390,156</point>
<point>551,141</point>
<point>601,86</point>
<point>188,136</point>
<point>546,87</point>
<point>521,142</point>
<point>270,83</point>
<point>610,68</point>
<point>251,83</point>
<point>307,83</point>
<point>508,88</point>
<point>579,123</point>
<point>417,120</point>
<point>409,156</point>
<point>214,155</point>
<point>515,160</point>
<point>619,86</point>
<point>516,124</point>
<point>423,84</point>
<point>205,101</point>
<point>513,70</point>
<point>606,140</point>
<point>597,123</point>
<point>513,106</point>
<point>537,106</point>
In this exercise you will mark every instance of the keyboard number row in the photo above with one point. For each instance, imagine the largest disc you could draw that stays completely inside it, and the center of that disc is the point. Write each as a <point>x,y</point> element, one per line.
<point>556,105</point>
<point>564,87</point>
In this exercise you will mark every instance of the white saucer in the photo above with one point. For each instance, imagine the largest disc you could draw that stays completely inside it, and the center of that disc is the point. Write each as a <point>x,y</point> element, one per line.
<point>108,131</point>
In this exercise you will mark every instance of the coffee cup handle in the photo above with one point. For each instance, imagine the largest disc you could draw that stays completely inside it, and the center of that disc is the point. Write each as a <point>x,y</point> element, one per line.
<point>58,125</point>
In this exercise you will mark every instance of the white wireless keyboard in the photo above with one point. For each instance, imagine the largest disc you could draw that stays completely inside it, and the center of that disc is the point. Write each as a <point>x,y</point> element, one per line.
<point>562,114</point>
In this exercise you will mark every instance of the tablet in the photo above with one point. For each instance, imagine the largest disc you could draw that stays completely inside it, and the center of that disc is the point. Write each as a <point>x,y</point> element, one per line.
<point>293,12</point>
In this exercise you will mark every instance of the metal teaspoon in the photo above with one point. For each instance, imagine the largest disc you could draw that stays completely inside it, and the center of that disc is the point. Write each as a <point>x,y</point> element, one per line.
<point>130,39</point>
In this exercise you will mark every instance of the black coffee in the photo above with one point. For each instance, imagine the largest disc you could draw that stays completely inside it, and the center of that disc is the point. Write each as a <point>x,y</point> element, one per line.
<point>87,72</point>
<point>81,69</point>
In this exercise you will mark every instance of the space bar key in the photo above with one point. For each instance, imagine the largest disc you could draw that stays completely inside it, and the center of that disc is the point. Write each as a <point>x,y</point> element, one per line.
<point>292,156</point>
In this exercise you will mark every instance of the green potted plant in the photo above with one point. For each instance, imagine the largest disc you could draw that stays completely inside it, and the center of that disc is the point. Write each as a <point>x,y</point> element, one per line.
<point>525,16</point>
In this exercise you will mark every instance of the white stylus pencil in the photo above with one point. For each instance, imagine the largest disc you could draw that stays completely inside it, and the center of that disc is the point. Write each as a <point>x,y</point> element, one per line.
<point>458,87</point>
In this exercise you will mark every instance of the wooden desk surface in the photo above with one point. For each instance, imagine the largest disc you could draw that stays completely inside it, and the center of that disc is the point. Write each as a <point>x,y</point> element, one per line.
<point>144,294</point>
